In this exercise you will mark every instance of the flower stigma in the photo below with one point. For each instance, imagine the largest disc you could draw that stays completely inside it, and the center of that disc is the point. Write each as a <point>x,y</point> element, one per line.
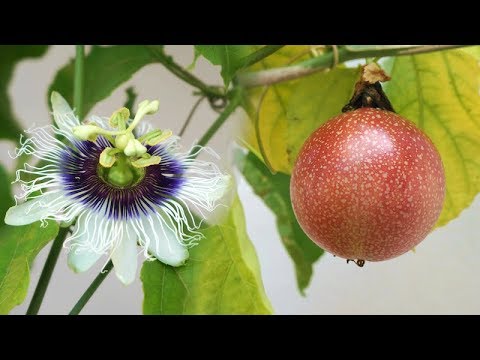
<point>122,165</point>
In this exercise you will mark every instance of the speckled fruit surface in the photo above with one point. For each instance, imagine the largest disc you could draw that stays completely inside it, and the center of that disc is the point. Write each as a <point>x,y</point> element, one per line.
<point>367,185</point>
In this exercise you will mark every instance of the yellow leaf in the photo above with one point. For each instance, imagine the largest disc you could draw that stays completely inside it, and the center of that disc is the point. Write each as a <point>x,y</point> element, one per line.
<point>273,131</point>
<point>291,111</point>
<point>439,92</point>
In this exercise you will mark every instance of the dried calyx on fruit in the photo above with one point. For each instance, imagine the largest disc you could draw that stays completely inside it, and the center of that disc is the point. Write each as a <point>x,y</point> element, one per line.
<point>368,185</point>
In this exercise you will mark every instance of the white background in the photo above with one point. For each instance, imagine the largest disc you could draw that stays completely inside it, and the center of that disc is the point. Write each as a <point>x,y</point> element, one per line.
<point>442,277</point>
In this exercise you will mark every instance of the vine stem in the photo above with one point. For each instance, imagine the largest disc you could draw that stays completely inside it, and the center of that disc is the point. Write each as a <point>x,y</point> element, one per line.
<point>190,116</point>
<point>327,60</point>
<point>79,80</point>
<point>49,266</point>
<point>91,289</point>
<point>260,54</point>
<point>235,101</point>
<point>180,72</point>
<point>47,271</point>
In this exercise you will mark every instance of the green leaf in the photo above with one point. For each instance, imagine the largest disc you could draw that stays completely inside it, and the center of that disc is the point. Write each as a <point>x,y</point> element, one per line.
<point>11,55</point>
<point>196,55</point>
<point>274,190</point>
<point>18,247</point>
<point>222,275</point>
<point>439,92</point>
<point>291,111</point>
<point>229,57</point>
<point>5,194</point>
<point>106,68</point>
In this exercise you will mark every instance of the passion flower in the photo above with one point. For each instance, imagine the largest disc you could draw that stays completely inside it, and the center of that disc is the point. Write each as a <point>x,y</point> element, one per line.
<point>121,184</point>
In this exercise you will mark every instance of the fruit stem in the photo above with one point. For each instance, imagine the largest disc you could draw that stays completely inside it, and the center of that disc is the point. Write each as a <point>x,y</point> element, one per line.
<point>359,262</point>
<point>368,90</point>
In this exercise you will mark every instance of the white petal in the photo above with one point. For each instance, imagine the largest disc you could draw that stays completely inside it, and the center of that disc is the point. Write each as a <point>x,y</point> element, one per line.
<point>163,242</point>
<point>205,184</point>
<point>81,257</point>
<point>223,184</point>
<point>35,209</point>
<point>100,121</point>
<point>124,256</point>
<point>142,128</point>
<point>63,113</point>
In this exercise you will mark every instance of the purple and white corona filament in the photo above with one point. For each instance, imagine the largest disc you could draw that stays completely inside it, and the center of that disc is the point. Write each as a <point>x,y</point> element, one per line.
<point>121,184</point>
